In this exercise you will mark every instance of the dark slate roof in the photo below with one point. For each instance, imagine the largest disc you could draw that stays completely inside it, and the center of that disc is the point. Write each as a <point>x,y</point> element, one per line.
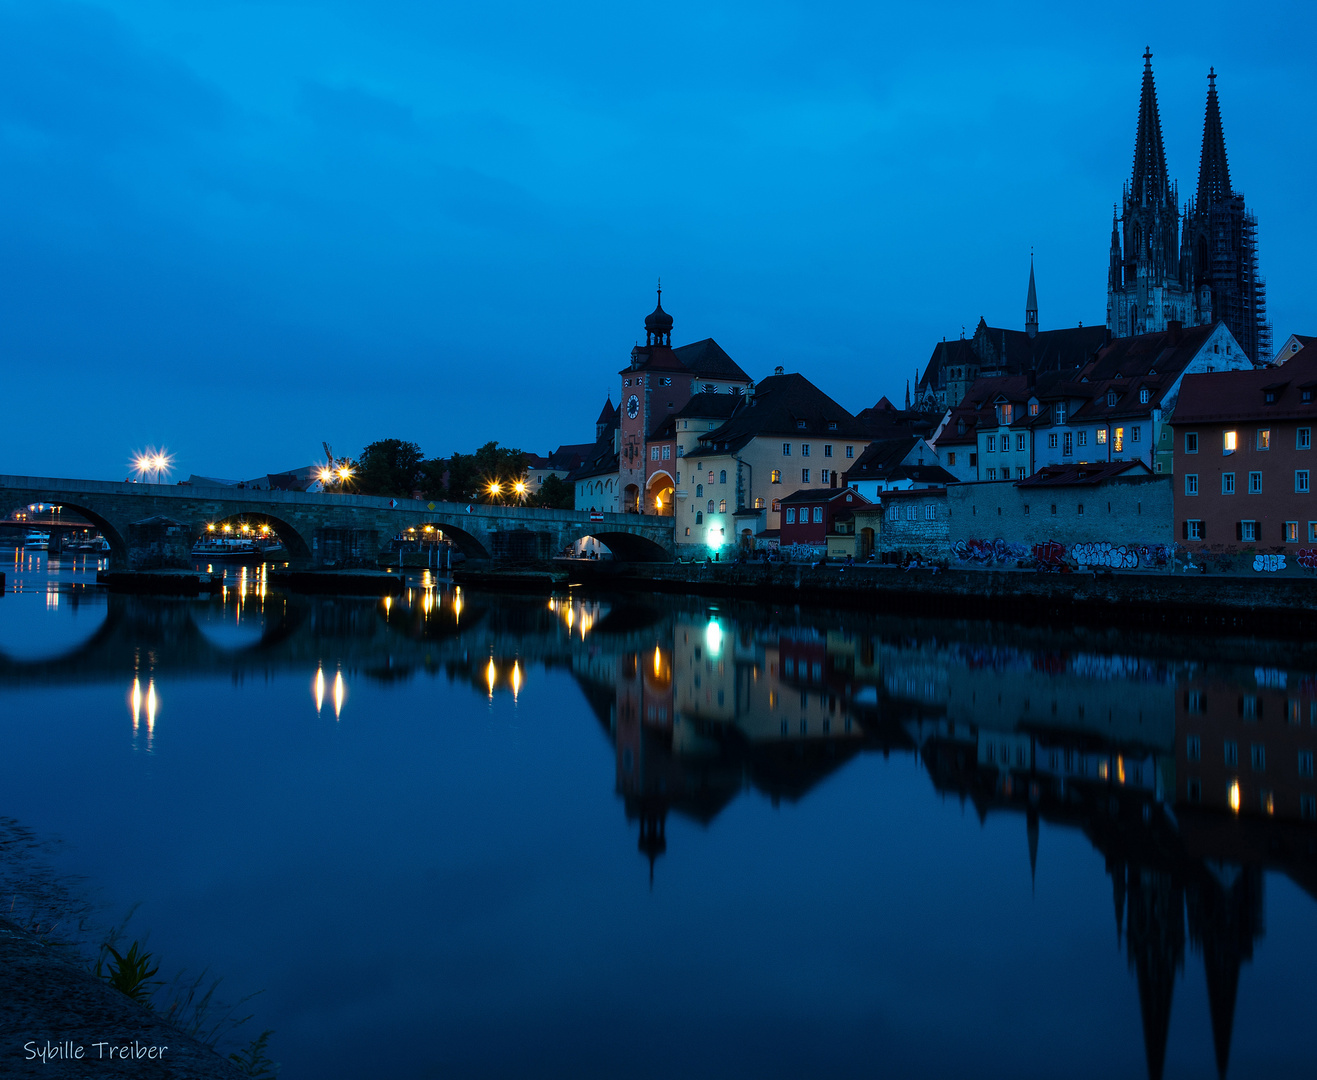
<point>885,421</point>
<point>600,461</point>
<point>923,474</point>
<point>822,495</point>
<point>785,405</point>
<point>880,458</point>
<point>610,413</point>
<point>711,406</point>
<point>1075,475</point>
<point>1227,396</point>
<point>1166,352</point>
<point>1015,352</point>
<point>706,360</point>
<point>653,358</point>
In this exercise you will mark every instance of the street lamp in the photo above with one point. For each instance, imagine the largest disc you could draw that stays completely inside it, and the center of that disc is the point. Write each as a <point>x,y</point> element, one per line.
<point>495,489</point>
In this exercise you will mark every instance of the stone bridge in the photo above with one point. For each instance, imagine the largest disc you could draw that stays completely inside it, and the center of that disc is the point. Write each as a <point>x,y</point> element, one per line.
<point>144,521</point>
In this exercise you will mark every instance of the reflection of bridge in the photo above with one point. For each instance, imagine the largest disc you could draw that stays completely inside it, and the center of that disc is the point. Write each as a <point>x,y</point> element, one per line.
<point>319,527</point>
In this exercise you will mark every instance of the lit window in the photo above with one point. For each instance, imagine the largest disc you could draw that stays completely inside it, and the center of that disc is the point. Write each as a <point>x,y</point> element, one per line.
<point>1264,438</point>
<point>1191,483</point>
<point>775,477</point>
<point>722,506</point>
<point>759,503</point>
<point>1033,408</point>
<point>1118,440</point>
<point>1291,532</point>
<point>1227,483</point>
<point>1191,442</point>
<point>1228,442</point>
<point>1102,436</point>
<point>951,458</point>
<point>1301,480</point>
<point>777,505</point>
<point>1255,483</point>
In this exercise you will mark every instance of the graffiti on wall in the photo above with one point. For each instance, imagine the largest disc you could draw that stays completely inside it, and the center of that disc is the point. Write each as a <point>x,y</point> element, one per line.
<point>1307,558</point>
<point>1053,555</point>
<point>1268,564</point>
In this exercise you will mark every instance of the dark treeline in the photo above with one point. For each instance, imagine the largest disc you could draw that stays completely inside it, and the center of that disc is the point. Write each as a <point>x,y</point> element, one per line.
<point>397,468</point>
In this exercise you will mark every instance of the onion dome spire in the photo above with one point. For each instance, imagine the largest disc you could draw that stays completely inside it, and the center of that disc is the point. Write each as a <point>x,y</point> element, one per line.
<point>658,323</point>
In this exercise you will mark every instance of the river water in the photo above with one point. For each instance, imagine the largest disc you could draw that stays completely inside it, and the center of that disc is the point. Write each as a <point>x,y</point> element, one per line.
<point>468,835</point>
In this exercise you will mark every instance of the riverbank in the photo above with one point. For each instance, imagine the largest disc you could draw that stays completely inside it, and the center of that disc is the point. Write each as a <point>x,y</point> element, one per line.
<point>50,1003</point>
<point>1284,606</point>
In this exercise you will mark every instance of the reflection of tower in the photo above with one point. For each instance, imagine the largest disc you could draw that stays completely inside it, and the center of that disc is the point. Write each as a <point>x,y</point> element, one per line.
<point>653,834</point>
<point>1155,940</point>
<point>1225,919</point>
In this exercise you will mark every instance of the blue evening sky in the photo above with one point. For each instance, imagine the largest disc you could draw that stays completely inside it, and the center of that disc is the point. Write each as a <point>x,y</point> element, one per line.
<point>238,229</point>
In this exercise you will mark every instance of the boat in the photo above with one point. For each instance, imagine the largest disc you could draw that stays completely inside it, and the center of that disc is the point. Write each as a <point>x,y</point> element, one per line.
<point>37,539</point>
<point>225,547</point>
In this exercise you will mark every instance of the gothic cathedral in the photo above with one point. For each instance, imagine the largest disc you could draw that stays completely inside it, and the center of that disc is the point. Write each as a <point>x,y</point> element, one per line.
<point>1197,269</point>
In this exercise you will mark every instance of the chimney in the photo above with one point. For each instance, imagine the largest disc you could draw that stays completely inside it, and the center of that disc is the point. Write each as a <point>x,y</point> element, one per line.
<point>1174,329</point>
<point>779,370</point>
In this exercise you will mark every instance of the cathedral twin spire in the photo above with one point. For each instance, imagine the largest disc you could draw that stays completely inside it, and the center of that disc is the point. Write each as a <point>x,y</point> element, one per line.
<point>1206,273</point>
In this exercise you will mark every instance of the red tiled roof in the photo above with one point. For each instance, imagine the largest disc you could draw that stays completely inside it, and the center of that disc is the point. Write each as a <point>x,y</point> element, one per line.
<point>1227,396</point>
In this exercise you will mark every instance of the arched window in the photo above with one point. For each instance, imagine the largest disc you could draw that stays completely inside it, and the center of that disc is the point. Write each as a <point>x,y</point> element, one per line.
<point>722,506</point>
<point>710,507</point>
<point>699,517</point>
<point>722,477</point>
<point>699,491</point>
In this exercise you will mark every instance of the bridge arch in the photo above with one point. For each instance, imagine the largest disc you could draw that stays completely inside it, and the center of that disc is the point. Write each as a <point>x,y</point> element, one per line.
<point>626,546</point>
<point>298,547</point>
<point>464,539</point>
<point>117,540</point>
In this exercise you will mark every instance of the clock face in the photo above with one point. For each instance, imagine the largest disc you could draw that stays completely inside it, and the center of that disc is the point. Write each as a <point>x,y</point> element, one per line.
<point>632,406</point>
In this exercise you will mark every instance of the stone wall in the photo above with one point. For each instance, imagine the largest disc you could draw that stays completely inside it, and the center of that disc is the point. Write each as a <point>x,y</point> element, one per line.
<point>913,530</point>
<point>1121,524</point>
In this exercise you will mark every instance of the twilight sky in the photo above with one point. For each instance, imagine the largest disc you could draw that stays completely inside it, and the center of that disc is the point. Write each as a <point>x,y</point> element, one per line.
<point>237,229</point>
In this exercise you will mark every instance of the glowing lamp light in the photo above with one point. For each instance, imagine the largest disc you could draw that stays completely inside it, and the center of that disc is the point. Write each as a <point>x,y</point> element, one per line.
<point>318,689</point>
<point>491,676</point>
<point>519,488</point>
<point>340,694</point>
<point>495,488</point>
<point>1234,795</point>
<point>713,637</point>
<point>658,662</point>
<point>516,679</point>
<point>326,476</point>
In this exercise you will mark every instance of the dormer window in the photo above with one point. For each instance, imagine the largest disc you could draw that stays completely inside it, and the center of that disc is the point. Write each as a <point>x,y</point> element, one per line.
<point>1271,397</point>
<point>1060,413</point>
<point>832,425</point>
<point>1033,408</point>
<point>1111,399</point>
<point>800,424</point>
<point>1306,395</point>
<point>960,427</point>
<point>1143,396</point>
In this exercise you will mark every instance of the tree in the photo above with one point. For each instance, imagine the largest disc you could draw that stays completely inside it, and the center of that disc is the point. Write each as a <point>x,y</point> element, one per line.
<point>554,494</point>
<point>470,476</point>
<point>388,467</point>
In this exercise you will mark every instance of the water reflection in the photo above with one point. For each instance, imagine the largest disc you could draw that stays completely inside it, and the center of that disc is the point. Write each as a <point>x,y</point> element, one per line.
<point>1187,769</point>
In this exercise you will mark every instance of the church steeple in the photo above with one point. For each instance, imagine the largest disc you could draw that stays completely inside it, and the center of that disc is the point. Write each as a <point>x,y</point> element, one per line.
<point>1213,169</point>
<point>1150,185</point>
<point>1031,304</point>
